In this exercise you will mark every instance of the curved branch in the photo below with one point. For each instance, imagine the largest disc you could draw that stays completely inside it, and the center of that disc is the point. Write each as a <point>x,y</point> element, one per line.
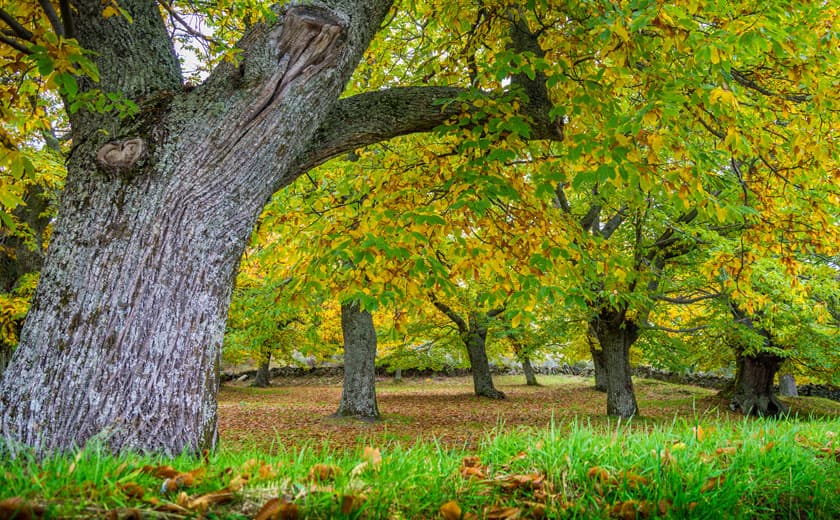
<point>371,117</point>
<point>450,313</point>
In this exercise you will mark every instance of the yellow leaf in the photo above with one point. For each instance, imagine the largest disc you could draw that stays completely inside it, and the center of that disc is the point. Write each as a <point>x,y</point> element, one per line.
<point>618,28</point>
<point>110,11</point>
<point>723,96</point>
<point>451,510</point>
<point>517,319</point>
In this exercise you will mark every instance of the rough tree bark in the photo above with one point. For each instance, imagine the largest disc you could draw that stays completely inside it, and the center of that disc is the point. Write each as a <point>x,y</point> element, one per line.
<point>616,335</point>
<point>752,390</point>
<point>157,209</point>
<point>358,397</point>
<point>473,332</point>
<point>123,338</point>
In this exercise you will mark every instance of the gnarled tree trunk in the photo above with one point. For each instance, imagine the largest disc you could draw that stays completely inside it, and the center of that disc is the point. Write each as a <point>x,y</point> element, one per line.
<point>358,397</point>
<point>123,339</point>
<point>616,335</point>
<point>752,390</point>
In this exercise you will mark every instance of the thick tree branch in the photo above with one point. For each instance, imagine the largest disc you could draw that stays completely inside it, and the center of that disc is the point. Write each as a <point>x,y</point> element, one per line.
<point>687,300</point>
<point>589,220</point>
<point>492,313</point>
<point>743,79</point>
<point>52,16</point>
<point>15,45</point>
<point>651,326</point>
<point>376,116</point>
<point>21,31</point>
<point>614,222</point>
<point>67,18</point>
<point>450,313</point>
<point>560,200</point>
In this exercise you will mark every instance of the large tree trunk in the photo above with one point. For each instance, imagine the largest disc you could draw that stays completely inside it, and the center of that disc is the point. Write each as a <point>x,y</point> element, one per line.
<point>752,390</point>
<point>358,397</point>
<point>123,338</point>
<point>263,377</point>
<point>616,335</point>
<point>475,340</point>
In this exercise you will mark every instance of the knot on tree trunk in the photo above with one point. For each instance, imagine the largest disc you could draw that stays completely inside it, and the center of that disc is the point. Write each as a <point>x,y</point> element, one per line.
<point>121,156</point>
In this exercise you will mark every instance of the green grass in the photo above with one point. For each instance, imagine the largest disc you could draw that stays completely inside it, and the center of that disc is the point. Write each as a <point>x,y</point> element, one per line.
<point>698,468</point>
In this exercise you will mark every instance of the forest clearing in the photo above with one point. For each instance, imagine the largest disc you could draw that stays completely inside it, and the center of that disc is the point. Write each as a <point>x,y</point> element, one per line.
<point>421,186</point>
<point>297,411</point>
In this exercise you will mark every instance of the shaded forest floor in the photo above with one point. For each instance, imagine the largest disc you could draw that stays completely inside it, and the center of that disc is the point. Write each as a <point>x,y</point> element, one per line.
<point>296,411</point>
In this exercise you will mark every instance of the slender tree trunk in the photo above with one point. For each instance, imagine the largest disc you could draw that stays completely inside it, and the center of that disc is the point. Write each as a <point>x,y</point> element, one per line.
<point>358,397</point>
<point>263,377</point>
<point>398,375</point>
<point>600,367</point>
<point>22,253</point>
<point>616,335</point>
<point>475,340</point>
<point>752,390</point>
<point>123,338</point>
<point>528,369</point>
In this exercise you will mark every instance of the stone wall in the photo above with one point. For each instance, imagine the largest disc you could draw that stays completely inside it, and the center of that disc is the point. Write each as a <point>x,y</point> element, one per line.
<point>581,370</point>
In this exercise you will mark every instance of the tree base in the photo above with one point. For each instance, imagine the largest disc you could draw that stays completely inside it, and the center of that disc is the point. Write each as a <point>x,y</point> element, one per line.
<point>356,416</point>
<point>492,394</point>
<point>759,405</point>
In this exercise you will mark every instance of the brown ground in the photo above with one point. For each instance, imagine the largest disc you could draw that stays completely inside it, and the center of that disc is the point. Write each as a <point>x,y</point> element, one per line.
<point>295,412</point>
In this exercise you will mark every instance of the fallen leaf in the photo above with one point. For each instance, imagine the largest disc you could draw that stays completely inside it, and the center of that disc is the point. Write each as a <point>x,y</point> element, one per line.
<point>237,482</point>
<point>529,482</point>
<point>160,471</point>
<point>322,472</point>
<point>633,480</point>
<point>352,503</point>
<point>277,509</point>
<point>451,510</point>
<point>203,503</point>
<point>471,472</point>
<point>665,505</point>
<point>372,456</point>
<point>728,450</point>
<point>471,462</point>
<point>266,471</point>
<point>20,509</point>
<point>501,513</point>
<point>767,447</point>
<point>712,483</point>
<point>701,434</point>
<point>598,473</point>
<point>132,490</point>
